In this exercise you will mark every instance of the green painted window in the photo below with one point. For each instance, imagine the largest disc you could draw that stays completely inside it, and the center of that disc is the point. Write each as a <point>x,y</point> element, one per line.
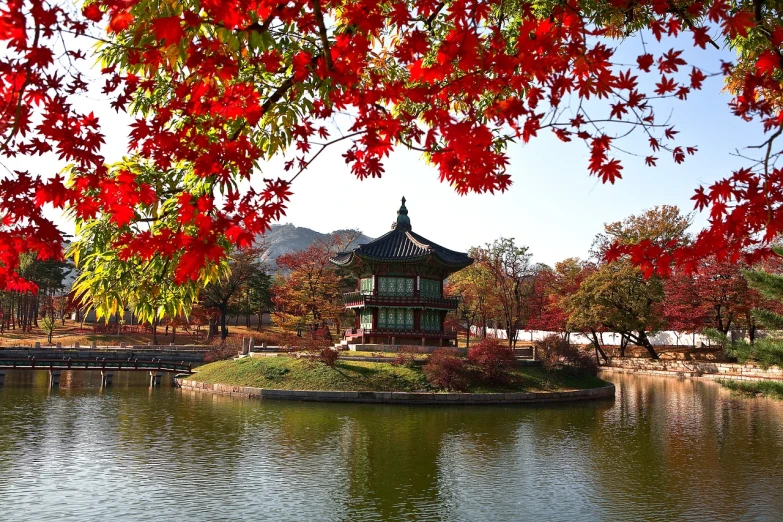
<point>430,288</point>
<point>366,319</point>
<point>430,320</point>
<point>366,285</point>
<point>395,318</point>
<point>395,286</point>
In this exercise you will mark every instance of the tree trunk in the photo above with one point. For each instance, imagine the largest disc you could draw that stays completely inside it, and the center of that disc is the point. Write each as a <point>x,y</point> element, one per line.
<point>597,345</point>
<point>223,327</point>
<point>213,329</point>
<point>644,341</point>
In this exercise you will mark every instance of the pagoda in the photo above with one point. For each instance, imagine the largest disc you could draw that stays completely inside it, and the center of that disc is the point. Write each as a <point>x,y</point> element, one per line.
<point>399,297</point>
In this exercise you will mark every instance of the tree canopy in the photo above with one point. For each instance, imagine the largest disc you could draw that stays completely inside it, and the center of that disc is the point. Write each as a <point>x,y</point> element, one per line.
<point>217,87</point>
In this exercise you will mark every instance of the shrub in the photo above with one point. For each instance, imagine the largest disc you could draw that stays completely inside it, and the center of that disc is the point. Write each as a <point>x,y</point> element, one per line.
<point>445,369</point>
<point>328,356</point>
<point>492,359</point>
<point>555,352</point>
<point>406,356</point>
<point>225,350</point>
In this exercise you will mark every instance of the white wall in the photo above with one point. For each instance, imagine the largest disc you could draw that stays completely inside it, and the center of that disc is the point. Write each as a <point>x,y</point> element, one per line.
<point>665,338</point>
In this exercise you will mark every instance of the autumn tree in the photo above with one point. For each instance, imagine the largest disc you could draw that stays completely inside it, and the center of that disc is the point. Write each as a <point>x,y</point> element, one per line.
<point>620,296</point>
<point>768,282</point>
<point>620,299</point>
<point>215,88</point>
<point>475,285</point>
<point>683,308</point>
<point>312,292</point>
<point>553,286</point>
<point>243,267</point>
<point>512,274</point>
<point>716,296</point>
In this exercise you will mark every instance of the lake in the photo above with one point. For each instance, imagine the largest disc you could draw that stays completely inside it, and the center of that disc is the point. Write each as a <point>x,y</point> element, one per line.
<point>664,449</point>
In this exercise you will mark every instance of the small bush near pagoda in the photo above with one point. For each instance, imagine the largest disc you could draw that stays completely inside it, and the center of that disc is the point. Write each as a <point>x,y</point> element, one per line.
<point>555,352</point>
<point>446,370</point>
<point>492,359</point>
<point>406,356</point>
<point>328,356</point>
<point>228,349</point>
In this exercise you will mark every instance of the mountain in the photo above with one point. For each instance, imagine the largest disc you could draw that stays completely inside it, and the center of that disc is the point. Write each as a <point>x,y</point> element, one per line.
<point>289,238</point>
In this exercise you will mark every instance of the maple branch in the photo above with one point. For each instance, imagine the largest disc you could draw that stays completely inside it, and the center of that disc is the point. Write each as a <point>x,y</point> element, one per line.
<point>431,18</point>
<point>264,26</point>
<point>323,146</point>
<point>688,22</point>
<point>319,17</point>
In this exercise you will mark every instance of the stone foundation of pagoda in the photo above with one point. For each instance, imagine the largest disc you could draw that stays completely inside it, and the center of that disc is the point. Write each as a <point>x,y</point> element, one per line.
<point>400,337</point>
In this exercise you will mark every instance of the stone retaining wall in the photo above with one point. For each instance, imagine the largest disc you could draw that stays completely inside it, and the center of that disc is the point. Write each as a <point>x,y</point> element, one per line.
<point>704,369</point>
<point>397,397</point>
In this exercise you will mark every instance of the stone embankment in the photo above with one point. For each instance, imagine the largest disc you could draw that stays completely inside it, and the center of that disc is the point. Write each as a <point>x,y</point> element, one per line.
<point>703,369</point>
<point>397,397</point>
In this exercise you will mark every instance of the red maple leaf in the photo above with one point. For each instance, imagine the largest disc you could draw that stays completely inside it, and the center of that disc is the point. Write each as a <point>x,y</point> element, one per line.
<point>645,61</point>
<point>768,62</point>
<point>120,21</point>
<point>168,29</point>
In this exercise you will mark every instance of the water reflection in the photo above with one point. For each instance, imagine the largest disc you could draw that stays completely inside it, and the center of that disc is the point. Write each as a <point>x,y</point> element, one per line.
<point>664,449</point>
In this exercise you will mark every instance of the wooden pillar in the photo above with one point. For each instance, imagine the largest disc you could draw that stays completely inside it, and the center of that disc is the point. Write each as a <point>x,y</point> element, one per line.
<point>54,378</point>
<point>155,378</point>
<point>416,320</point>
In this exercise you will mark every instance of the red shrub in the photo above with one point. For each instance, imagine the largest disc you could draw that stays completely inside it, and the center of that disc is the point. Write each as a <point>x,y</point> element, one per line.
<point>226,350</point>
<point>406,356</point>
<point>493,359</point>
<point>555,352</point>
<point>446,370</point>
<point>328,356</point>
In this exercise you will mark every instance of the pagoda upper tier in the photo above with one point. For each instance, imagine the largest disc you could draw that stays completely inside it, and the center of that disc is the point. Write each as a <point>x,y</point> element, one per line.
<point>402,245</point>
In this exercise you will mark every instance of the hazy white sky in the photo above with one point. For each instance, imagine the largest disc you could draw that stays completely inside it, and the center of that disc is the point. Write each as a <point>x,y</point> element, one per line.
<point>553,207</point>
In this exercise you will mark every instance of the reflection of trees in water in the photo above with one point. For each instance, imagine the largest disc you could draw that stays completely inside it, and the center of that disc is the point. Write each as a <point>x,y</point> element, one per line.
<point>665,448</point>
<point>706,450</point>
<point>24,410</point>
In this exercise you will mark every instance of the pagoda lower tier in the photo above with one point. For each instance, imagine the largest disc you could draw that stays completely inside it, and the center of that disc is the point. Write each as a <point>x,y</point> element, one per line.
<point>386,336</point>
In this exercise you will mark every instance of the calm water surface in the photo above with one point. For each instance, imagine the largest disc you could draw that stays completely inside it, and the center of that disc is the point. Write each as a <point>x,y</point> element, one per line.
<point>665,449</point>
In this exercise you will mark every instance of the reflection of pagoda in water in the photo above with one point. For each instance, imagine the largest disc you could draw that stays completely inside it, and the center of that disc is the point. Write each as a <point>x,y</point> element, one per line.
<point>399,299</point>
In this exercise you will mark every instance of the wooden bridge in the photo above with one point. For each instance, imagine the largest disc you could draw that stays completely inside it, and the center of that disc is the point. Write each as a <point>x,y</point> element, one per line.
<point>107,364</point>
<point>98,363</point>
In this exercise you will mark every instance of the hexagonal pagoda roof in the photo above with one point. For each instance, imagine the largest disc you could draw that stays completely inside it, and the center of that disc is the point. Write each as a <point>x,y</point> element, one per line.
<point>401,244</point>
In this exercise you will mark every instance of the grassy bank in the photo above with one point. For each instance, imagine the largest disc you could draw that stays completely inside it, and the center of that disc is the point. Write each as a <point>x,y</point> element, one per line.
<point>287,373</point>
<point>772,389</point>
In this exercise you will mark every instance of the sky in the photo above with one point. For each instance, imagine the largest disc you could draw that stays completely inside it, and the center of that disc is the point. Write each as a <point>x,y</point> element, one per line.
<point>554,207</point>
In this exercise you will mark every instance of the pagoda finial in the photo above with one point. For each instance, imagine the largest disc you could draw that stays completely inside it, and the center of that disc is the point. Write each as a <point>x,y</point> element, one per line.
<point>403,221</point>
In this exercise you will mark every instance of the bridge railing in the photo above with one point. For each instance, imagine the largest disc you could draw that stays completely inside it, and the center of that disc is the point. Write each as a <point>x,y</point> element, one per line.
<point>133,347</point>
<point>97,363</point>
